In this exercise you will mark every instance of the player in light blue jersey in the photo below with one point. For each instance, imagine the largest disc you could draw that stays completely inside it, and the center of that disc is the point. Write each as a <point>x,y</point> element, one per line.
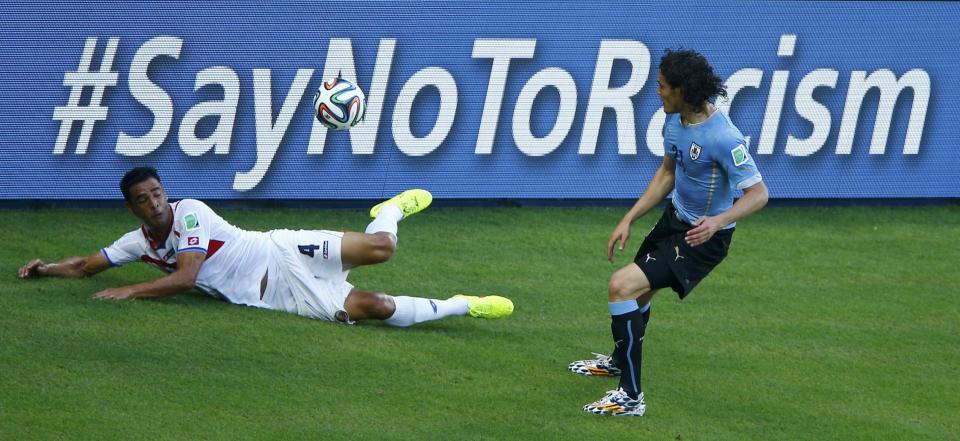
<point>705,162</point>
<point>712,163</point>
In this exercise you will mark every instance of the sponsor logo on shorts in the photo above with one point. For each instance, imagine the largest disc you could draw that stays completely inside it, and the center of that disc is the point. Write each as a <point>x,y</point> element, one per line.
<point>326,249</point>
<point>649,258</point>
<point>677,249</point>
<point>192,240</point>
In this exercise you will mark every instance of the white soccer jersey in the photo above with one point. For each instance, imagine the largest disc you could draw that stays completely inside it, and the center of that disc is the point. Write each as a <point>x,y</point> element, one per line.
<point>236,259</point>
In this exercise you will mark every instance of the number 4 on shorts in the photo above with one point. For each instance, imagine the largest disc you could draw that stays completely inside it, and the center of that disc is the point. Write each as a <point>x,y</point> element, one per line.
<point>308,249</point>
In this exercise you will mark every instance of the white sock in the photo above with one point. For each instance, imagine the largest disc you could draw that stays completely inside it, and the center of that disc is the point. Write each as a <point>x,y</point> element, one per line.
<point>386,220</point>
<point>413,310</point>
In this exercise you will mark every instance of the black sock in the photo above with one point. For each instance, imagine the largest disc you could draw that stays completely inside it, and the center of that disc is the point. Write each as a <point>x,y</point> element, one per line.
<point>616,355</point>
<point>628,333</point>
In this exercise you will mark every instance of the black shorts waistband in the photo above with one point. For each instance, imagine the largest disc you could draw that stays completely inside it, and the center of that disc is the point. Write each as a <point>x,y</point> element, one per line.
<point>684,225</point>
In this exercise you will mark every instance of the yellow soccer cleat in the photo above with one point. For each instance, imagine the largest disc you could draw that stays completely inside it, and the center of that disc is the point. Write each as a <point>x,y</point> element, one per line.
<point>490,307</point>
<point>410,202</point>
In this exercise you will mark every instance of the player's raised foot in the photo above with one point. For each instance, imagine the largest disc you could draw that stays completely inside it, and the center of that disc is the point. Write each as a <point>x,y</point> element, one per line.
<point>409,202</point>
<point>489,307</point>
<point>617,403</point>
<point>602,366</point>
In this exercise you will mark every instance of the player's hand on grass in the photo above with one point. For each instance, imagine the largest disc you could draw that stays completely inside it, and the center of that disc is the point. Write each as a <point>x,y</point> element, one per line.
<point>620,234</point>
<point>31,269</point>
<point>702,230</point>
<point>113,294</point>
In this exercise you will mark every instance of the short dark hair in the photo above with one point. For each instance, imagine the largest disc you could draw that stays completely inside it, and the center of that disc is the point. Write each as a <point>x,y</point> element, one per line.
<point>691,72</point>
<point>136,176</point>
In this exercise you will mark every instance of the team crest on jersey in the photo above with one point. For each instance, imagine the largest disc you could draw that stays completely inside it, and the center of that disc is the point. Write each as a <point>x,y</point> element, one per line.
<point>191,222</point>
<point>694,151</point>
<point>740,155</point>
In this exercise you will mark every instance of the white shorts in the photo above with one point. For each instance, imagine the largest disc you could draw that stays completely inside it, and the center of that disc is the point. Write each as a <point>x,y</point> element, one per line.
<point>305,275</point>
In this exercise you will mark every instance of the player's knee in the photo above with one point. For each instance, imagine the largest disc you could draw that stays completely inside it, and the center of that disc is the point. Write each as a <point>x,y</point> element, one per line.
<point>615,289</point>
<point>366,305</point>
<point>382,247</point>
<point>379,306</point>
<point>620,289</point>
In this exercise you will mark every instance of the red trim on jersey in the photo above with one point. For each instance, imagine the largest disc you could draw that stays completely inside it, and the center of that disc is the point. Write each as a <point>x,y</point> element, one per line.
<point>158,263</point>
<point>213,247</point>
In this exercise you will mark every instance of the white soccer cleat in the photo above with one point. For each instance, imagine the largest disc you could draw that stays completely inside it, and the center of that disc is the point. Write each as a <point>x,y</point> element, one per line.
<point>602,366</point>
<point>617,403</point>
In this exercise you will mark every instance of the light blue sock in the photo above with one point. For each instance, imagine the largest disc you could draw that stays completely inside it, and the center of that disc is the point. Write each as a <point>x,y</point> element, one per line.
<point>623,307</point>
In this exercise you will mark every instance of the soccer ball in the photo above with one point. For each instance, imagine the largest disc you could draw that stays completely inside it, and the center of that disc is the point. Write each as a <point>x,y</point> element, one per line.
<point>339,104</point>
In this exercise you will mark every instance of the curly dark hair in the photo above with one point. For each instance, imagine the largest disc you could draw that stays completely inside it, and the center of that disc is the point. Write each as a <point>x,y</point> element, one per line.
<point>690,71</point>
<point>136,176</point>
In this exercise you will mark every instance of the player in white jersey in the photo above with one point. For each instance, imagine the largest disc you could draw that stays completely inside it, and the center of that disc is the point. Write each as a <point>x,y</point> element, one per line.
<point>302,272</point>
<point>706,160</point>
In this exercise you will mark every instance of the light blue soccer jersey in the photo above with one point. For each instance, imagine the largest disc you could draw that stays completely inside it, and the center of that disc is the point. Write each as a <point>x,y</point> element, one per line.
<point>712,160</point>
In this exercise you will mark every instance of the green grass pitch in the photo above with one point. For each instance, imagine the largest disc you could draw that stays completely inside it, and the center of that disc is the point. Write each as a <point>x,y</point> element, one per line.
<point>823,323</point>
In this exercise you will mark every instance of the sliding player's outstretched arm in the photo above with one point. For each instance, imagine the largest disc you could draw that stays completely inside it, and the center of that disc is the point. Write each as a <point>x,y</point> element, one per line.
<point>183,279</point>
<point>76,266</point>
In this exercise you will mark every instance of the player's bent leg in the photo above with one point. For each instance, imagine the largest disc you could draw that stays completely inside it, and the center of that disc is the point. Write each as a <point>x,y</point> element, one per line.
<point>628,325</point>
<point>401,311</point>
<point>629,294</point>
<point>627,283</point>
<point>603,365</point>
<point>362,305</point>
<point>366,249</point>
<point>646,298</point>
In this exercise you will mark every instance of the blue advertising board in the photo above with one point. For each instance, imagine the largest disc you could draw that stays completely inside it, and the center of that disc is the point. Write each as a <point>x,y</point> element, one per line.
<point>468,99</point>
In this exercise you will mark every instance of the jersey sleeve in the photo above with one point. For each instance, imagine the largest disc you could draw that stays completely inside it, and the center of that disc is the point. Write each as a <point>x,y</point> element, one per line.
<point>739,166</point>
<point>128,248</point>
<point>192,224</point>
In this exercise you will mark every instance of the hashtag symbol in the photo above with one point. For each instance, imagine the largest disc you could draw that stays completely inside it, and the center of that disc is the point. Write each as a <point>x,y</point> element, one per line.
<point>92,112</point>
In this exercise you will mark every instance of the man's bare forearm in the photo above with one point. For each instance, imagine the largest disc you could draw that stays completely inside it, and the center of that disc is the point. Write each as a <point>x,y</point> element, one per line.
<point>660,186</point>
<point>162,287</point>
<point>753,200</point>
<point>69,267</point>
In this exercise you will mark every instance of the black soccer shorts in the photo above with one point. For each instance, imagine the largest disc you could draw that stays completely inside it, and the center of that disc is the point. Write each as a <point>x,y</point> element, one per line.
<point>668,261</point>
